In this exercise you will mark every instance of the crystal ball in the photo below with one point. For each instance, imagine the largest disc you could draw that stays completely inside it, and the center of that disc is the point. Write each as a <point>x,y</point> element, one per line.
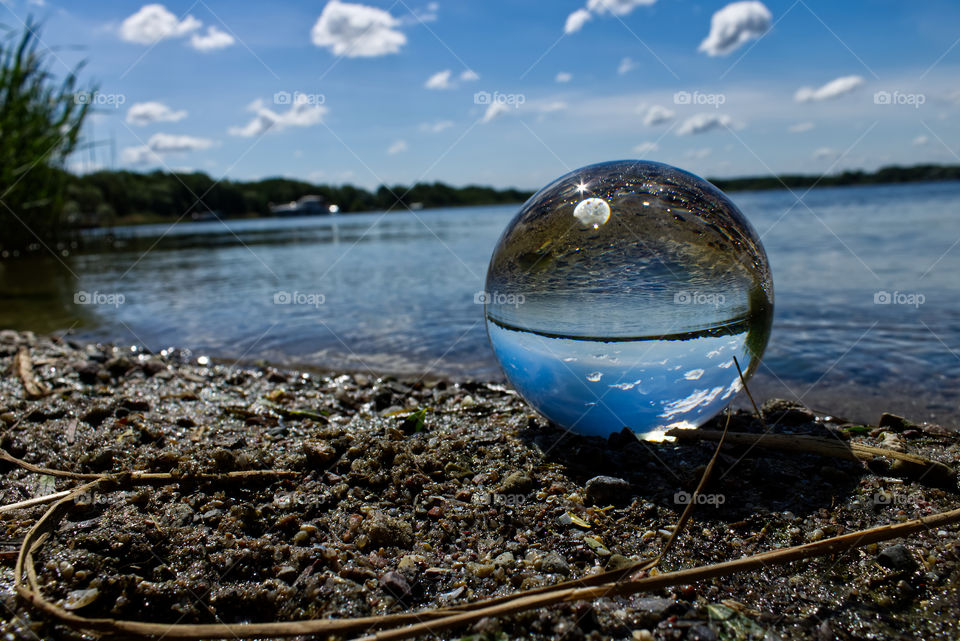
<point>619,296</point>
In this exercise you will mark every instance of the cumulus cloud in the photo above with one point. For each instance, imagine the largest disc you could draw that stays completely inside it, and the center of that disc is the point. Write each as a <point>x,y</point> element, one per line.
<point>833,89</point>
<point>439,80</point>
<point>734,25</point>
<point>214,39</point>
<point>576,20</point>
<point>397,147</point>
<point>494,110</point>
<point>144,113</point>
<point>646,147</point>
<point>626,65</point>
<point>800,127</point>
<point>616,7</point>
<point>919,141</point>
<point>153,23</point>
<point>825,153</point>
<point>161,144</point>
<point>563,76</point>
<point>657,115</point>
<point>302,113</point>
<point>357,30</point>
<point>702,123</point>
<point>444,79</point>
<point>436,127</point>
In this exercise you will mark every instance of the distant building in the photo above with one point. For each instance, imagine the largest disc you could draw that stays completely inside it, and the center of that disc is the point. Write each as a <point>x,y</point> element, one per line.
<point>305,206</point>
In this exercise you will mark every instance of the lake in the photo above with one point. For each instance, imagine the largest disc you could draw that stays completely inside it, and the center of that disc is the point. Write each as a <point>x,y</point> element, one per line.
<point>866,278</point>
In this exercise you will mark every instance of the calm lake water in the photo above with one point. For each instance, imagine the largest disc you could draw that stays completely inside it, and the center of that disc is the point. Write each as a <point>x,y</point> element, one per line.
<point>396,293</point>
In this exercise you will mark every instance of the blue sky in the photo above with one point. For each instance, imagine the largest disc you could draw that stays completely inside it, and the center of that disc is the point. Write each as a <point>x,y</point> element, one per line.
<point>521,91</point>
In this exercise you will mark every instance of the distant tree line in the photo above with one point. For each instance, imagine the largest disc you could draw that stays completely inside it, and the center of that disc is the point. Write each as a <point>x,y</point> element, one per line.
<point>109,197</point>
<point>886,175</point>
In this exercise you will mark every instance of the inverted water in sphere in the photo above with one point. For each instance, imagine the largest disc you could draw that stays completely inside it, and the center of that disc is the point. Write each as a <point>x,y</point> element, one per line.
<point>619,295</point>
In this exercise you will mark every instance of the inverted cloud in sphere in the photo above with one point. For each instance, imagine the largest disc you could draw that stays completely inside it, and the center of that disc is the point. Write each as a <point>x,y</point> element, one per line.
<point>357,30</point>
<point>734,25</point>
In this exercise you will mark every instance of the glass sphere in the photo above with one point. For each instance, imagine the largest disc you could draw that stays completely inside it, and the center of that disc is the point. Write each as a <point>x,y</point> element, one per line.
<point>619,295</point>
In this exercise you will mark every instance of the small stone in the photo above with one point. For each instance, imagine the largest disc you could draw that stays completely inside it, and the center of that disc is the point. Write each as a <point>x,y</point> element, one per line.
<point>896,557</point>
<point>618,562</point>
<point>517,483</point>
<point>642,635</point>
<point>553,563</point>
<point>779,411</point>
<point>894,422</point>
<point>395,584</point>
<point>481,570</point>
<point>152,367</point>
<point>87,372</point>
<point>386,531</point>
<point>506,558</point>
<point>118,366</point>
<point>287,573</point>
<point>606,490</point>
<point>701,632</point>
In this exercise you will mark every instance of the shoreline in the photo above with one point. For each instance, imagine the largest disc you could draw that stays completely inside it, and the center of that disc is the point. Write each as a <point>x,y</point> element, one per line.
<point>402,503</point>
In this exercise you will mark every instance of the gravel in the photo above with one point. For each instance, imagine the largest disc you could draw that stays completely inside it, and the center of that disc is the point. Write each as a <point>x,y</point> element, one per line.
<point>414,493</point>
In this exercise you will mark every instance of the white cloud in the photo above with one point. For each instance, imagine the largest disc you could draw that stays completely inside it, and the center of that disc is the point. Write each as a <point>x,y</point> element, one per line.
<point>800,127</point>
<point>735,24</point>
<point>153,23</point>
<point>556,105</point>
<point>213,40</point>
<point>302,113</point>
<point>439,80</point>
<point>702,123</point>
<point>171,143</point>
<point>563,76</point>
<point>576,20</point>
<point>357,31</point>
<point>444,79</point>
<point>698,154</point>
<point>833,89</point>
<point>494,110</point>
<point>657,115</point>
<point>161,144</point>
<point>436,127</point>
<point>646,147</point>
<point>825,153</point>
<point>616,7</point>
<point>625,66</point>
<point>397,147</point>
<point>144,113</point>
<point>921,140</point>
